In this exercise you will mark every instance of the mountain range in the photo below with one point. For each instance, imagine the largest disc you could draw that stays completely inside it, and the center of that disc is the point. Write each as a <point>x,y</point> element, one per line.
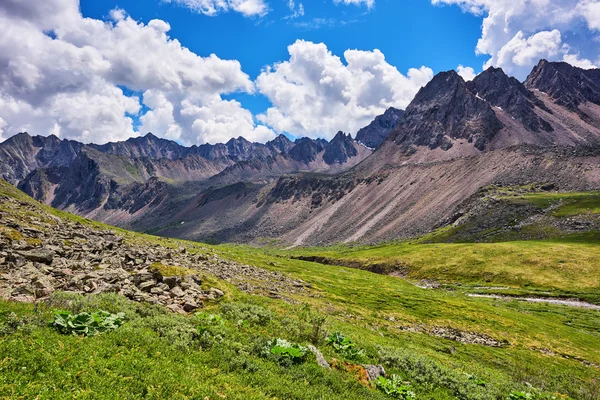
<point>408,172</point>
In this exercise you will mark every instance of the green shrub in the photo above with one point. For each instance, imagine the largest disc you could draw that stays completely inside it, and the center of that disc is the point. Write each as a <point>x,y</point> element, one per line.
<point>86,324</point>
<point>428,374</point>
<point>211,329</point>
<point>345,346</point>
<point>394,387</point>
<point>312,325</point>
<point>177,331</point>
<point>535,394</point>
<point>11,323</point>
<point>286,353</point>
<point>475,380</point>
<point>244,313</point>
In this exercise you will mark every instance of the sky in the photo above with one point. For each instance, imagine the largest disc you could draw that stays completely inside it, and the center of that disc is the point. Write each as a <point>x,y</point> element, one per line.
<point>203,71</point>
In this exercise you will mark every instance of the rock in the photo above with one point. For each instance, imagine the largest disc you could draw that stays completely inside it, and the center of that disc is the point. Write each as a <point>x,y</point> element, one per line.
<point>38,255</point>
<point>374,134</point>
<point>374,371</point>
<point>157,291</point>
<point>175,308</point>
<point>147,286</point>
<point>320,359</point>
<point>43,287</point>
<point>177,292</point>
<point>171,281</point>
<point>218,293</point>
<point>190,305</point>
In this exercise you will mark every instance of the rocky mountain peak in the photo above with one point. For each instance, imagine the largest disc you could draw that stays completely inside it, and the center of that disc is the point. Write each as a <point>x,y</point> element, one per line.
<point>305,149</point>
<point>374,134</point>
<point>148,146</point>
<point>508,94</point>
<point>567,85</point>
<point>281,144</point>
<point>443,111</point>
<point>340,149</point>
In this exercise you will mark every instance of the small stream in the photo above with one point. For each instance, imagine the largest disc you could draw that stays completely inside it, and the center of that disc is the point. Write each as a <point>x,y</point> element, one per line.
<point>570,303</point>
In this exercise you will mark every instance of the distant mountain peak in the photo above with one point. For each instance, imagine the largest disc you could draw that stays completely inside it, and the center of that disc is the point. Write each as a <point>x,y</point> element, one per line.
<point>340,149</point>
<point>510,96</point>
<point>374,134</point>
<point>281,144</point>
<point>445,110</point>
<point>567,85</point>
<point>305,149</point>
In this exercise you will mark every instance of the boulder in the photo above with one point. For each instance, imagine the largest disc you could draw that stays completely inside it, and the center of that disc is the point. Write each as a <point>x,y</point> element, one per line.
<point>190,305</point>
<point>147,285</point>
<point>374,371</point>
<point>43,256</point>
<point>320,359</point>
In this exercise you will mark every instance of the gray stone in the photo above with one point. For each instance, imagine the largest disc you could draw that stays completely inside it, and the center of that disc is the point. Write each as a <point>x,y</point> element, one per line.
<point>43,287</point>
<point>177,292</point>
<point>320,359</point>
<point>190,305</point>
<point>38,255</point>
<point>374,371</point>
<point>146,286</point>
<point>171,281</point>
<point>156,291</point>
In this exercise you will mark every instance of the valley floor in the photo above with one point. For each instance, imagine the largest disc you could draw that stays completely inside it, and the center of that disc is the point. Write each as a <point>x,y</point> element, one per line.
<point>405,305</point>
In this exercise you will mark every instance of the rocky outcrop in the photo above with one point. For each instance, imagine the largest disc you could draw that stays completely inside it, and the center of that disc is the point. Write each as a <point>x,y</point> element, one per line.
<point>567,85</point>
<point>511,96</point>
<point>22,154</point>
<point>374,134</point>
<point>41,254</point>
<point>443,111</point>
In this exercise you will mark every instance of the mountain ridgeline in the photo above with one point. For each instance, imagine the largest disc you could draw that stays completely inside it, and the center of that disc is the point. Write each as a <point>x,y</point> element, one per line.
<point>407,173</point>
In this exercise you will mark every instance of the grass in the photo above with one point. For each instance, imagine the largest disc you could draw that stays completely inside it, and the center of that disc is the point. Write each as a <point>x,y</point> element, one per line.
<point>160,355</point>
<point>171,270</point>
<point>568,204</point>
<point>572,268</point>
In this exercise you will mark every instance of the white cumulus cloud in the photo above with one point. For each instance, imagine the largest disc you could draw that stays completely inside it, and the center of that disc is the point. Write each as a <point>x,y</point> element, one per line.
<point>249,8</point>
<point>80,81</point>
<point>467,73</point>
<point>516,34</point>
<point>315,94</point>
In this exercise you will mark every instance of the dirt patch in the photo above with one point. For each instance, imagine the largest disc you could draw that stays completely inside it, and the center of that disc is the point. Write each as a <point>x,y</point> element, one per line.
<point>398,269</point>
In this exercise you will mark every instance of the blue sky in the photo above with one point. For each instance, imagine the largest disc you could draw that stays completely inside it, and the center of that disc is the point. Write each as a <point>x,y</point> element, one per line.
<point>203,71</point>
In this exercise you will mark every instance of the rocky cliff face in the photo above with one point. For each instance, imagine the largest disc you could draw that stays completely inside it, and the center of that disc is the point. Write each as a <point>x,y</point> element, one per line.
<point>340,149</point>
<point>444,111</point>
<point>510,95</point>
<point>22,154</point>
<point>305,150</point>
<point>567,85</point>
<point>374,134</point>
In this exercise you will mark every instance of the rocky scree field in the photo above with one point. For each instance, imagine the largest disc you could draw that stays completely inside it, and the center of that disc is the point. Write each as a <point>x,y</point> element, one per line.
<point>239,322</point>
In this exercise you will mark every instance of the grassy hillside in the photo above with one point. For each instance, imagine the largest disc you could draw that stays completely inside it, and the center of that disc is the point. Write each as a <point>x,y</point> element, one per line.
<point>444,343</point>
